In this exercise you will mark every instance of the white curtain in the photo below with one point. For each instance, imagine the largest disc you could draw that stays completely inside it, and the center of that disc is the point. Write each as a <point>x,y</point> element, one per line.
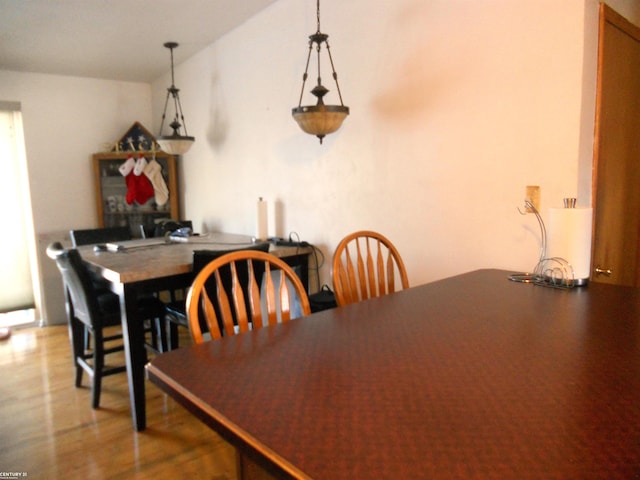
<point>16,289</point>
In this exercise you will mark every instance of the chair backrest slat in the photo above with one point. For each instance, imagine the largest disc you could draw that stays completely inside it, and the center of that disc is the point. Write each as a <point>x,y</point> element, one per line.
<point>362,273</point>
<point>391,283</point>
<point>284,295</point>
<point>384,287</point>
<point>372,273</point>
<point>270,297</point>
<point>210,313</point>
<point>254,297</point>
<point>239,304</point>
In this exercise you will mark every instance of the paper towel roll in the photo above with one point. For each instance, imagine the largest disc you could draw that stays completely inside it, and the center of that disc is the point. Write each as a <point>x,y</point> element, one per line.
<point>262,218</point>
<point>569,237</point>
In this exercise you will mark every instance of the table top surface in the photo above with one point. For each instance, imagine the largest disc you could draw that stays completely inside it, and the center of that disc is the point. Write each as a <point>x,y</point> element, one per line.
<point>140,263</point>
<point>469,377</point>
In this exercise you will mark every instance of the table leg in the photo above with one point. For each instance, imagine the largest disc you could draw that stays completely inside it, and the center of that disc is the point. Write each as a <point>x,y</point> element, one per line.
<point>135,353</point>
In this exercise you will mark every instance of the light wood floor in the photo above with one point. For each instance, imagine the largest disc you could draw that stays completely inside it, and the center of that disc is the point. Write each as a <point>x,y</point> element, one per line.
<point>48,429</point>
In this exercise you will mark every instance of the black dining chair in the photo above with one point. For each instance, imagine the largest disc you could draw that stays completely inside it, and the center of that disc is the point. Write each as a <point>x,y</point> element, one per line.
<point>102,235</point>
<point>91,236</point>
<point>165,227</point>
<point>95,313</point>
<point>177,310</point>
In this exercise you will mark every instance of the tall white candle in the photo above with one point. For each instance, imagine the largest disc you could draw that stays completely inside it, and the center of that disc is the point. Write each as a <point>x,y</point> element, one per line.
<point>262,223</point>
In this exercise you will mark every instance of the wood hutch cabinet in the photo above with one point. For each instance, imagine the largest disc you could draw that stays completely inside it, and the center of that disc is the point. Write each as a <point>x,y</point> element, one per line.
<point>128,200</point>
<point>114,198</point>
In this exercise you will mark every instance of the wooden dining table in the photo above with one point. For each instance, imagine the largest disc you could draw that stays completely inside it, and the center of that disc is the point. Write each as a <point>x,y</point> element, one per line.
<point>473,376</point>
<point>150,265</point>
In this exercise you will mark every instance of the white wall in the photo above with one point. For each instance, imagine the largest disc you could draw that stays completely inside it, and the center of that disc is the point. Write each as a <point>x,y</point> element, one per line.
<point>456,106</point>
<point>66,120</point>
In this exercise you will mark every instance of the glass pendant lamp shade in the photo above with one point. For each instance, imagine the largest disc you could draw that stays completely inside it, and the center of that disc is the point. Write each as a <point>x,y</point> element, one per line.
<point>320,119</point>
<point>175,143</point>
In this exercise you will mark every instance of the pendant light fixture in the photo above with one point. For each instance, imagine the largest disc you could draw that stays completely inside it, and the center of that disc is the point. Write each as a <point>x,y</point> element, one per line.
<point>319,119</point>
<point>174,144</point>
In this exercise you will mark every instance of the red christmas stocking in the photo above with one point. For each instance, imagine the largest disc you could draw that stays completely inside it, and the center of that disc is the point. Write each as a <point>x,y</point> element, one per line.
<point>143,189</point>
<point>131,180</point>
<point>126,170</point>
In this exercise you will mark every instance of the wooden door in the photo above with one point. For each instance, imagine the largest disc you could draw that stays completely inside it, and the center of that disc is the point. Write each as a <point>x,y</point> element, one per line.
<point>616,184</point>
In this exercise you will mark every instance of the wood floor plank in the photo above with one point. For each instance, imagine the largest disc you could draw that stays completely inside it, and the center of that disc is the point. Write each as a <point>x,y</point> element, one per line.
<point>49,430</point>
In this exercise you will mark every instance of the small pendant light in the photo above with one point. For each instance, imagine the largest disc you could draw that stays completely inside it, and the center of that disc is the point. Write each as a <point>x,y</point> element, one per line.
<point>174,144</point>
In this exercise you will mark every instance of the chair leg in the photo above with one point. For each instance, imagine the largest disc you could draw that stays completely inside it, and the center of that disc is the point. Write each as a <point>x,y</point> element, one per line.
<point>96,386</point>
<point>158,331</point>
<point>174,337</point>
<point>77,332</point>
<point>165,338</point>
<point>98,365</point>
<point>154,326</point>
<point>79,371</point>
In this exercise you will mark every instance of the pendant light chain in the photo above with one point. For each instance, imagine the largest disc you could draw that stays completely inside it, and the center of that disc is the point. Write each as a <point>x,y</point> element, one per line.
<point>305,74</point>
<point>335,75</point>
<point>173,81</point>
<point>318,36</point>
<point>333,68</point>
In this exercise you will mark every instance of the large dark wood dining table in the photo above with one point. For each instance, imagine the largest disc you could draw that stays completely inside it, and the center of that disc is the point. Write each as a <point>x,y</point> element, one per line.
<point>152,265</point>
<point>473,376</point>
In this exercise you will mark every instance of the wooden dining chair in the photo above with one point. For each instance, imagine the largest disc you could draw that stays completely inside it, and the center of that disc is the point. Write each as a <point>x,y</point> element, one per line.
<point>88,310</point>
<point>249,301</point>
<point>177,309</point>
<point>366,265</point>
